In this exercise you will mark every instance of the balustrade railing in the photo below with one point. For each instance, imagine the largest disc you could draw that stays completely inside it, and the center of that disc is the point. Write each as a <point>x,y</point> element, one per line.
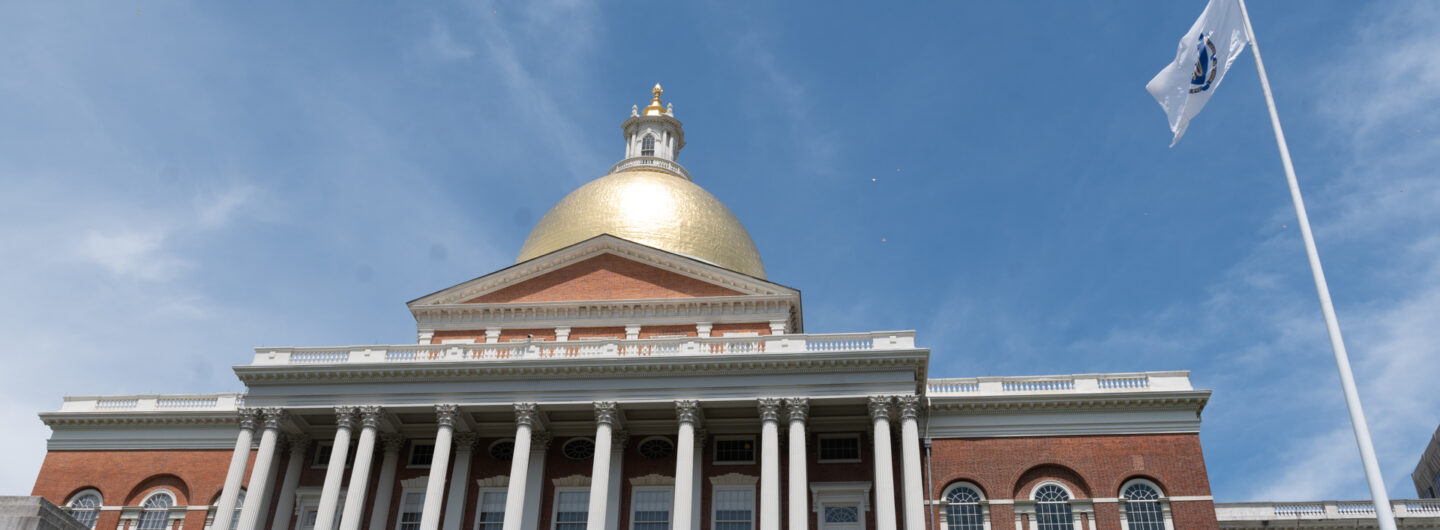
<point>539,349</point>
<point>1077,384</point>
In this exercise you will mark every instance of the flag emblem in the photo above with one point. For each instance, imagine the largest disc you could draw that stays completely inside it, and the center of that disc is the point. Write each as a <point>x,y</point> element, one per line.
<point>1207,62</point>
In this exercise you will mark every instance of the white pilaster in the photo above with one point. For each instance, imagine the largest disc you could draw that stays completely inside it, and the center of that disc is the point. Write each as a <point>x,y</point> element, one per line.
<point>632,332</point>
<point>335,469</point>
<point>912,491</point>
<point>605,412</point>
<point>435,487</point>
<point>799,409</point>
<point>519,466</point>
<point>492,335</point>
<point>686,413</point>
<point>562,333</point>
<point>285,505</point>
<point>702,329</point>
<point>258,493</point>
<point>769,463</point>
<point>777,327</point>
<point>698,486</point>
<point>464,445</point>
<point>225,509</point>
<point>360,472</point>
<point>385,486</point>
<point>884,466</point>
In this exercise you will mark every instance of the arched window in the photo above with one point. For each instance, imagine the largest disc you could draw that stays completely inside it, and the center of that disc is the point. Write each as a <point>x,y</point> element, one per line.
<point>1052,508</point>
<point>155,511</point>
<point>1143,506</point>
<point>963,510</point>
<point>647,146</point>
<point>85,507</point>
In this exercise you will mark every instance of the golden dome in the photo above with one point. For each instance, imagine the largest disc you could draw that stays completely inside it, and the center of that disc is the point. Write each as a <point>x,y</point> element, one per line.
<point>651,208</point>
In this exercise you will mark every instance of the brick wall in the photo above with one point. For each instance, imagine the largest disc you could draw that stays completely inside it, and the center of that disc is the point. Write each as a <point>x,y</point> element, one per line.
<point>605,277</point>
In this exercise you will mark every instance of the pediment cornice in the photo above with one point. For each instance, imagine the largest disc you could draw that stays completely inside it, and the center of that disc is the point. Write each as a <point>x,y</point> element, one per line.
<point>599,245</point>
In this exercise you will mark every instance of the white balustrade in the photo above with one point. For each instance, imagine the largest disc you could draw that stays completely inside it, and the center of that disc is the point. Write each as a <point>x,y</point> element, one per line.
<point>1299,509</point>
<point>1074,384</point>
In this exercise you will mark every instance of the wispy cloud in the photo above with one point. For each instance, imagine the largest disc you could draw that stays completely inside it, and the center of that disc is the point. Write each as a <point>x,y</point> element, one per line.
<point>137,255</point>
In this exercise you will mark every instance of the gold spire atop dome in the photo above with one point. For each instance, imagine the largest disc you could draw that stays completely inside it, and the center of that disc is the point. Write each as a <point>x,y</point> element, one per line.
<point>655,108</point>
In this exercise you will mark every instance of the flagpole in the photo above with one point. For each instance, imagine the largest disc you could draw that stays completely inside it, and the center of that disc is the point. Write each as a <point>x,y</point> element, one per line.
<point>1383,513</point>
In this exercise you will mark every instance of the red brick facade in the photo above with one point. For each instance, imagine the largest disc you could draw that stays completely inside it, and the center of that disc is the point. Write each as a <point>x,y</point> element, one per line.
<point>605,277</point>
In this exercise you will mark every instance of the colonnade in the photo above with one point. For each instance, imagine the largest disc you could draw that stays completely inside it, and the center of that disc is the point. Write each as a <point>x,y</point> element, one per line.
<point>688,416</point>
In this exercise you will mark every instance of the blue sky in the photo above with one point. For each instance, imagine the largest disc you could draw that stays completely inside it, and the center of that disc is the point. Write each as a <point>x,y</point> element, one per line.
<point>183,182</point>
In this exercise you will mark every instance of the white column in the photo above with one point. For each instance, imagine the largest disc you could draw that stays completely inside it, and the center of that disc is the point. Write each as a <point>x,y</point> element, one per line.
<point>799,409</point>
<point>539,447</point>
<point>605,412</point>
<point>335,469</point>
<point>259,491</point>
<point>769,463</point>
<point>439,463</point>
<point>698,486</point>
<point>519,466</point>
<point>225,509</point>
<point>617,463</point>
<point>385,486</point>
<point>464,447</point>
<point>285,507</point>
<point>686,412</point>
<point>360,472</point>
<point>884,467</point>
<point>270,479</point>
<point>912,490</point>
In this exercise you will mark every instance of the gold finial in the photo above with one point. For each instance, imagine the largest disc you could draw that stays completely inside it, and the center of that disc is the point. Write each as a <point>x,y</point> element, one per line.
<point>655,109</point>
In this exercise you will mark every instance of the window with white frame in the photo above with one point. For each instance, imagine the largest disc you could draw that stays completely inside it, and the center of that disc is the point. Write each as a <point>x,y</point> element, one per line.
<point>490,513</point>
<point>734,508</point>
<point>307,505</point>
<point>838,448</point>
<point>421,453</point>
<point>963,507</point>
<point>647,146</point>
<point>412,506</point>
<point>735,450</point>
<point>572,509</point>
<point>1052,508</point>
<point>155,511</point>
<point>650,507</point>
<point>239,504</point>
<point>1143,505</point>
<point>85,507</point>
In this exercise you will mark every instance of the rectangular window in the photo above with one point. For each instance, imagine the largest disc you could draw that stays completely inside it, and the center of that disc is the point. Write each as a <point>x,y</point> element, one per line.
<point>324,450</point>
<point>490,515</point>
<point>411,507</point>
<point>421,454</point>
<point>572,509</point>
<point>735,450</point>
<point>839,448</point>
<point>650,508</point>
<point>734,508</point>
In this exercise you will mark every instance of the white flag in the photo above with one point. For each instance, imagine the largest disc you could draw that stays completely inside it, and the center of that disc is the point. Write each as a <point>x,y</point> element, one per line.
<point>1206,53</point>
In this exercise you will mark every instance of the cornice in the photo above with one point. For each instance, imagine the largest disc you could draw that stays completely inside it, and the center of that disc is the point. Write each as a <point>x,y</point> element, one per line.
<point>565,368</point>
<point>720,309</point>
<point>1195,399</point>
<point>603,244</point>
<point>219,418</point>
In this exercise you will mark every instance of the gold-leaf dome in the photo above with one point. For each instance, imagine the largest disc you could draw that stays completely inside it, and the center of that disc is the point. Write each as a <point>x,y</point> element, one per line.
<point>652,208</point>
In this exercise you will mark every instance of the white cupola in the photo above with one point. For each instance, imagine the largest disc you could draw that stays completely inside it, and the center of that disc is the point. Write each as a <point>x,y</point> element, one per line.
<point>653,138</point>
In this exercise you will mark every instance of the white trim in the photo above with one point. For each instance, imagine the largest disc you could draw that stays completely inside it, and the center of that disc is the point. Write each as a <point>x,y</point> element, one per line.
<point>840,494</point>
<point>653,479</point>
<point>734,479</point>
<point>489,488</point>
<point>715,449</point>
<point>497,481</point>
<point>1044,483</point>
<point>419,482</point>
<point>572,481</point>
<point>404,491</point>
<point>1192,498</point>
<point>410,455</point>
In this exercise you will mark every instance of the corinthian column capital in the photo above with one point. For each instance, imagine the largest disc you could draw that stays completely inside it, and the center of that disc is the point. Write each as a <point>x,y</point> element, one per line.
<point>345,417</point>
<point>272,417</point>
<point>879,407</point>
<point>687,411</point>
<point>370,416</point>
<point>798,408</point>
<point>909,405</point>
<point>445,414</point>
<point>769,409</point>
<point>525,414</point>
<point>605,412</point>
<point>247,418</point>
<point>392,441</point>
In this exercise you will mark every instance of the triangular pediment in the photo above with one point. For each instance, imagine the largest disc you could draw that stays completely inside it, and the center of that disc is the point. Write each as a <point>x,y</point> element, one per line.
<point>604,268</point>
